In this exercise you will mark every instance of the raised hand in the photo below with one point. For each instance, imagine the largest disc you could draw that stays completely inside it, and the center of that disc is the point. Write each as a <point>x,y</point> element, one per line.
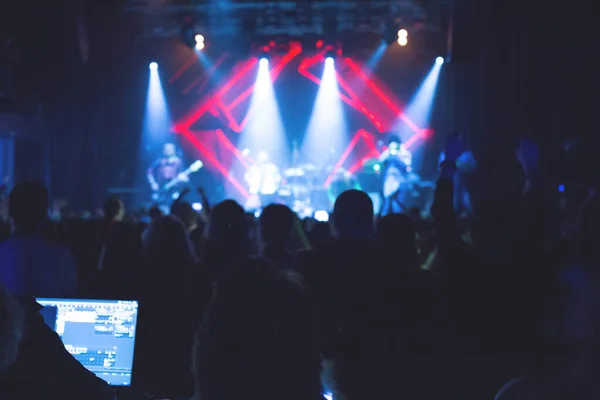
<point>454,147</point>
<point>185,191</point>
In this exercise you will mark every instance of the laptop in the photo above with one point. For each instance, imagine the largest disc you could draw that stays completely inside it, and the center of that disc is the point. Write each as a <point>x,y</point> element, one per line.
<point>100,334</point>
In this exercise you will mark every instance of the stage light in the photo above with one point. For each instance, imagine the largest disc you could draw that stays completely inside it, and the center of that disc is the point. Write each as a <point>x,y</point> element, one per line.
<point>199,38</point>
<point>439,60</point>
<point>264,62</point>
<point>329,61</point>
<point>561,188</point>
<point>376,167</point>
<point>402,37</point>
<point>197,206</point>
<point>321,216</point>
<point>330,52</point>
<point>199,46</point>
<point>153,66</point>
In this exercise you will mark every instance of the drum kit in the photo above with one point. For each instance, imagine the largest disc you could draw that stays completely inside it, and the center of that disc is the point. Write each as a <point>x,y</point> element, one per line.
<point>303,191</point>
<point>300,189</point>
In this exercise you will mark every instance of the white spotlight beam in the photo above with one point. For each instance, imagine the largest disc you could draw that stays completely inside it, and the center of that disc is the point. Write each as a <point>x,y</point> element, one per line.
<point>421,105</point>
<point>157,119</point>
<point>326,134</point>
<point>265,130</point>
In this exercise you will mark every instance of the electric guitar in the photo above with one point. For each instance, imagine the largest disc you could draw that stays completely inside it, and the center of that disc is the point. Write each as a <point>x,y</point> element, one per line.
<point>162,194</point>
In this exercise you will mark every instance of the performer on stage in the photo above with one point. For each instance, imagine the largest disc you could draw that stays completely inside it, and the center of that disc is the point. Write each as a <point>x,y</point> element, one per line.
<point>395,149</point>
<point>164,170</point>
<point>263,180</point>
<point>397,161</point>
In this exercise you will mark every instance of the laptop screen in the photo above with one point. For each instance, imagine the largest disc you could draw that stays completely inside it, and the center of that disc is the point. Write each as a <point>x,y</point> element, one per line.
<point>100,334</point>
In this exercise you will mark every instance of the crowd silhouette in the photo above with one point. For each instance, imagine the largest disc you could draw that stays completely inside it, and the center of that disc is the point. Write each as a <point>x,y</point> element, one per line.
<point>501,303</point>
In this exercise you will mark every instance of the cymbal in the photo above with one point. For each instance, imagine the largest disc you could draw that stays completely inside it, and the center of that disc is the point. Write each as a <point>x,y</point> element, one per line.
<point>293,172</point>
<point>308,167</point>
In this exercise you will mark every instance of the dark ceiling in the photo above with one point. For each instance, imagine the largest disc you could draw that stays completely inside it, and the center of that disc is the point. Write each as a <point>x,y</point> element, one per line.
<point>163,18</point>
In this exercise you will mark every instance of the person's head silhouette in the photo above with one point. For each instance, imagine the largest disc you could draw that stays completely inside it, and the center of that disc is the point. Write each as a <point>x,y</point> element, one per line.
<point>353,215</point>
<point>28,207</point>
<point>276,224</point>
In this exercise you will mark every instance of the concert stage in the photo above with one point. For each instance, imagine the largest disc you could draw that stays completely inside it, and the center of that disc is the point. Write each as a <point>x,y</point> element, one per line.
<point>322,110</point>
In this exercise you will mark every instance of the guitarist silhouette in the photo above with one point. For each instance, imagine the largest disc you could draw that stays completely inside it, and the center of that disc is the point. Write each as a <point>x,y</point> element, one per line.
<point>166,175</point>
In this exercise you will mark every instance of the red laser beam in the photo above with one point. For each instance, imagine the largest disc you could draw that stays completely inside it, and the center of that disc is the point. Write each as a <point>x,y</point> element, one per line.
<point>234,150</point>
<point>274,74</point>
<point>217,101</point>
<point>203,80</point>
<point>368,139</point>
<point>190,120</point>
<point>213,160</point>
<point>186,65</point>
<point>357,104</point>
<point>361,162</point>
<point>423,133</point>
<point>216,106</point>
<point>183,128</point>
<point>377,91</point>
<point>343,158</point>
<point>352,99</point>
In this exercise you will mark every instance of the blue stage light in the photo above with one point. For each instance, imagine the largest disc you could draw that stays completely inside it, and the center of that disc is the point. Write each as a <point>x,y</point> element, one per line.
<point>439,60</point>
<point>153,66</point>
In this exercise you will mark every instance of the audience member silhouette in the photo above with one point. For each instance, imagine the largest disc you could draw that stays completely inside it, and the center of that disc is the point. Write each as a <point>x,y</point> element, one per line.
<point>34,363</point>
<point>277,223</point>
<point>227,238</point>
<point>257,339</point>
<point>30,265</point>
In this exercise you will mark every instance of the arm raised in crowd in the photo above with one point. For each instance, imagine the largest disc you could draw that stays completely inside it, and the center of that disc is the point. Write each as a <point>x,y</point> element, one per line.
<point>446,227</point>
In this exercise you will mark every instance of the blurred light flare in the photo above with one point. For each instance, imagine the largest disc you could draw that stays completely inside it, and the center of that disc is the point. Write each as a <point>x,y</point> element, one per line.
<point>153,66</point>
<point>199,38</point>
